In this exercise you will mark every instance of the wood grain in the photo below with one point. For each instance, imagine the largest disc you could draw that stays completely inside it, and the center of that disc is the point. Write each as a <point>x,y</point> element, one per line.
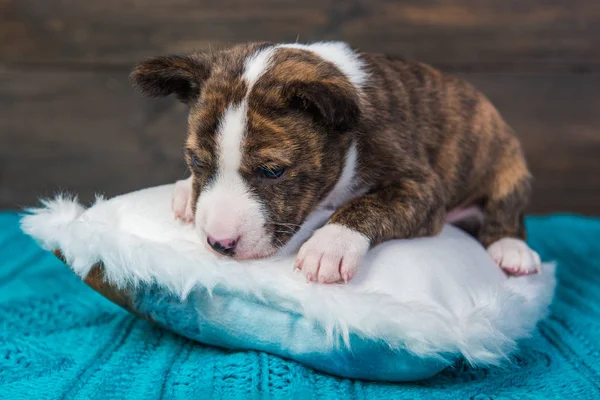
<point>458,34</point>
<point>83,132</point>
<point>87,132</point>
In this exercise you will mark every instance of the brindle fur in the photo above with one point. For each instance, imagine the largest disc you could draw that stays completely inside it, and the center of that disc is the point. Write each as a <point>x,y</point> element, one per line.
<point>427,142</point>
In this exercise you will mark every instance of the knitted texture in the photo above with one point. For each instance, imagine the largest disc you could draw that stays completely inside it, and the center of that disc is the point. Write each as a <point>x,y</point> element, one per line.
<point>59,339</point>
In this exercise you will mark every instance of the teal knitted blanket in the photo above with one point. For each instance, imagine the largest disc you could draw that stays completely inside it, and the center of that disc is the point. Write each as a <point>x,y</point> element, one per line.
<point>59,339</point>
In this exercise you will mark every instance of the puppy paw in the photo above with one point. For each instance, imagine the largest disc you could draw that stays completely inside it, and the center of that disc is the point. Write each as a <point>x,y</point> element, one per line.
<point>332,254</point>
<point>515,257</point>
<point>181,202</point>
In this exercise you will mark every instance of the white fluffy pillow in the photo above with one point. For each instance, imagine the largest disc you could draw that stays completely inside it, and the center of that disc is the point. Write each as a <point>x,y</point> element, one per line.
<point>414,306</point>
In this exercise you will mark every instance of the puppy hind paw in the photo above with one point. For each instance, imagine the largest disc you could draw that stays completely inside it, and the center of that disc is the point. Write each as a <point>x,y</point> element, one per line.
<point>515,257</point>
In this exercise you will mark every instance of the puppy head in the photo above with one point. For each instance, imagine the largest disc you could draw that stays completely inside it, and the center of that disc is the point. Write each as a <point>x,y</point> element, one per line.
<point>269,128</point>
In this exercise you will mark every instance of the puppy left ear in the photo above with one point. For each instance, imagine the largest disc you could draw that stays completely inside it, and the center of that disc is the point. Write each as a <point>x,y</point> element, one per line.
<point>181,75</point>
<point>333,104</point>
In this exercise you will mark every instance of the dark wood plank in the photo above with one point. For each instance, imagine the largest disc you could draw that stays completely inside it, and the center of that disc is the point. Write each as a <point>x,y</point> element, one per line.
<point>459,34</point>
<point>83,132</point>
<point>87,132</point>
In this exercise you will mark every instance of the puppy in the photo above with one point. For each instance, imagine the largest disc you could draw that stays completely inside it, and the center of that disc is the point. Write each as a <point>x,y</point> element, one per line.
<point>282,136</point>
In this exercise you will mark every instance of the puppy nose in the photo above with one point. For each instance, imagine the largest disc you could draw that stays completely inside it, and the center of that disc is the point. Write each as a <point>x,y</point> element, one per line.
<point>222,246</point>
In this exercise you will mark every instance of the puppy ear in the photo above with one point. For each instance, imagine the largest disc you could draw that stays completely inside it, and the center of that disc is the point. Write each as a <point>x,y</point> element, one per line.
<point>333,104</point>
<point>175,74</point>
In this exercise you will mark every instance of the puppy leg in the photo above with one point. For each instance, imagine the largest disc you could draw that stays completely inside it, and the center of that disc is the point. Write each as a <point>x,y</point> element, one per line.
<point>181,202</point>
<point>503,229</point>
<point>412,208</point>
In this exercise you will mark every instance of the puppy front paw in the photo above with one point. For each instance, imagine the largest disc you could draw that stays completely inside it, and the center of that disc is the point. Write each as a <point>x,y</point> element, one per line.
<point>181,202</point>
<point>515,257</point>
<point>332,254</point>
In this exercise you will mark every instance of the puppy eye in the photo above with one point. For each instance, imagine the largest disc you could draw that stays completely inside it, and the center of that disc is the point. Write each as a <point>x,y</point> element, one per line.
<point>196,162</point>
<point>271,172</point>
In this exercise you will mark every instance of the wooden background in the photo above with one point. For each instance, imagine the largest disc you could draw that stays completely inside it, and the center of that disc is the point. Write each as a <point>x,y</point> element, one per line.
<point>70,121</point>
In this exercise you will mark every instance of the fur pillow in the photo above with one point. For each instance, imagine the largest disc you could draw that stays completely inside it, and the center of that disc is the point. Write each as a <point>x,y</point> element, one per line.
<point>414,307</point>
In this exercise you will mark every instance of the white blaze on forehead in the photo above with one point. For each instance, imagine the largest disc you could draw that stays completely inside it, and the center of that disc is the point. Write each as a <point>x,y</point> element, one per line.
<point>233,124</point>
<point>229,139</point>
<point>256,65</point>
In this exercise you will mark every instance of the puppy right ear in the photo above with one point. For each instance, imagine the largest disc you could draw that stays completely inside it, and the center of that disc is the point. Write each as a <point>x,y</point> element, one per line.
<point>181,75</point>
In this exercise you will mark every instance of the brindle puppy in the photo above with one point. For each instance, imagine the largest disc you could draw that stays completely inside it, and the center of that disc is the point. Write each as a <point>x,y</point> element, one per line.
<point>282,135</point>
